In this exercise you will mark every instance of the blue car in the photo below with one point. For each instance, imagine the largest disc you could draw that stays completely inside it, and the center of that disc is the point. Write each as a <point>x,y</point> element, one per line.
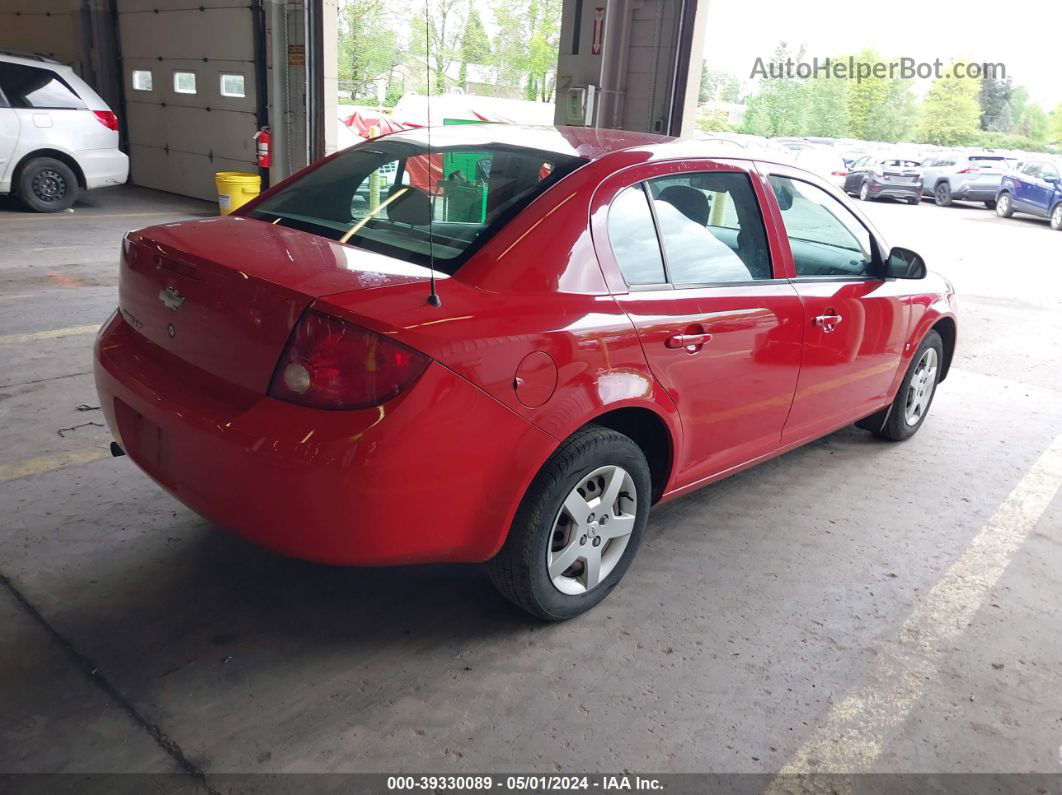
<point>1033,189</point>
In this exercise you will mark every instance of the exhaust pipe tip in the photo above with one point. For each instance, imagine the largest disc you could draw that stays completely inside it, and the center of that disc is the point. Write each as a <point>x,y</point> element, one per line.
<point>116,450</point>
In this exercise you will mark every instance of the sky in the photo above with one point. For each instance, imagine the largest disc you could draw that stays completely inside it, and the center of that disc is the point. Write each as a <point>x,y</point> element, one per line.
<point>1027,39</point>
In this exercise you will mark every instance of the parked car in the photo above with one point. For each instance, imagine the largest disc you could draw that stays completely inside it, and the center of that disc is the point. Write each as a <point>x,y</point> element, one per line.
<point>631,320</point>
<point>57,137</point>
<point>1033,189</point>
<point>822,160</point>
<point>874,177</point>
<point>963,176</point>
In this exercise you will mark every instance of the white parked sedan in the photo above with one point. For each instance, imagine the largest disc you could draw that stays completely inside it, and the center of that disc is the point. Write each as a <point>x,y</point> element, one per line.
<point>57,136</point>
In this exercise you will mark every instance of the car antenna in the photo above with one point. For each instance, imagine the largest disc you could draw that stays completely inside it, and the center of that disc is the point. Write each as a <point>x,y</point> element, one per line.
<point>433,295</point>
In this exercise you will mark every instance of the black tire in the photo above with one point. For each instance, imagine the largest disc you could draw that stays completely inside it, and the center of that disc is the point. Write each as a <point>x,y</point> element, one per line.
<point>991,204</point>
<point>1004,205</point>
<point>914,200</point>
<point>519,571</point>
<point>864,192</point>
<point>1056,217</point>
<point>47,185</point>
<point>896,427</point>
<point>942,195</point>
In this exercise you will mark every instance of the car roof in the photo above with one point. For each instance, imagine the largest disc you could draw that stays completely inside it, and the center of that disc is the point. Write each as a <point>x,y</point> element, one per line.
<point>31,59</point>
<point>589,143</point>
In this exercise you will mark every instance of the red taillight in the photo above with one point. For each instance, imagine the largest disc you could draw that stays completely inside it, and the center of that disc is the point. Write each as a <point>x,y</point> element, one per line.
<point>107,119</point>
<point>332,364</point>
<point>839,173</point>
<point>971,170</point>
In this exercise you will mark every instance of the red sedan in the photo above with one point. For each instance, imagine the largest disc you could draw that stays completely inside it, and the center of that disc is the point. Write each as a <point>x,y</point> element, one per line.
<point>512,360</point>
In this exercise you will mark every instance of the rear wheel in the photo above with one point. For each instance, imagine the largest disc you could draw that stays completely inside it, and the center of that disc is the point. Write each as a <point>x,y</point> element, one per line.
<point>913,200</point>
<point>578,527</point>
<point>942,195</point>
<point>864,191</point>
<point>1004,206</point>
<point>990,204</point>
<point>915,395</point>
<point>1056,217</point>
<point>47,185</point>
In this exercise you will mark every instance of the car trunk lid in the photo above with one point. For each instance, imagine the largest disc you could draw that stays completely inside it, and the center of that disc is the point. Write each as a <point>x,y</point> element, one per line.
<point>223,294</point>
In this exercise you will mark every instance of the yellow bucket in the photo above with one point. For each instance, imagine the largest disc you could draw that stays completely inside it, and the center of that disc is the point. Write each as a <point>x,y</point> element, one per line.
<point>235,189</point>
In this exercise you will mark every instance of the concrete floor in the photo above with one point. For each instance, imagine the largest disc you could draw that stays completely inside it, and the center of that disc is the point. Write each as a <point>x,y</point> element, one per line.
<point>767,621</point>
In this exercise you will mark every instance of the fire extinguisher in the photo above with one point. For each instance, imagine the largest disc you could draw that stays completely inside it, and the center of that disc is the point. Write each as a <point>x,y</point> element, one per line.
<point>263,139</point>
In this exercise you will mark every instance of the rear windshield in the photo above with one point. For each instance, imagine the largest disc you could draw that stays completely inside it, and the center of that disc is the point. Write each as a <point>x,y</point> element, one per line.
<point>394,198</point>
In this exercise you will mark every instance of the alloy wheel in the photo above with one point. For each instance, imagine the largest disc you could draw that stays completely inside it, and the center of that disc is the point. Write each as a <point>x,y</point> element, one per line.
<point>1002,205</point>
<point>592,530</point>
<point>1056,217</point>
<point>920,390</point>
<point>864,192</point>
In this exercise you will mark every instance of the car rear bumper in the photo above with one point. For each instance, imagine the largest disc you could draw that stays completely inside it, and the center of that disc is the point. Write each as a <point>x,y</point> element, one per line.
<point>433,475</point>
<point>103,167</point>
<point>895,190</point>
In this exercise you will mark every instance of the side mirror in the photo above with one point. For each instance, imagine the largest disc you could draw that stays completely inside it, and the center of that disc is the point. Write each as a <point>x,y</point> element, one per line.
<point>904,264</point>
<point>1051,180</point>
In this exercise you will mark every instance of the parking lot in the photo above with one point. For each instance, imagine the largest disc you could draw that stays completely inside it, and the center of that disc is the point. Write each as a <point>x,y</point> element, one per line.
<point>812,610</point>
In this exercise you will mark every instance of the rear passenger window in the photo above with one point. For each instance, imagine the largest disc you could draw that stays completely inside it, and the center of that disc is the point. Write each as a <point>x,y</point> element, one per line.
<point>711,228</point>
<point>633,238</point>
<point>30,87</point>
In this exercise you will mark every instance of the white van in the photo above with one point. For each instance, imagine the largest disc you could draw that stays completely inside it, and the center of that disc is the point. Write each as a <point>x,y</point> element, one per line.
<point>57,137</point>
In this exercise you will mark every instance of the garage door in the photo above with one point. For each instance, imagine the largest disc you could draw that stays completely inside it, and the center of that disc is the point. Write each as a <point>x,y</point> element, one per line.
<point>190,90</point>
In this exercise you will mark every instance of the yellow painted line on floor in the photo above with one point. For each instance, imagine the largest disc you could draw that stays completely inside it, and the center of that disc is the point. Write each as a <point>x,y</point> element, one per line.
<point>52,334</point>
<point>853,733</point>
<point>50,463</point>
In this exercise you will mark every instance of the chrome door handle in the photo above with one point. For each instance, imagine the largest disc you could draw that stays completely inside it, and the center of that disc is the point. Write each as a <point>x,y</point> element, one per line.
<point>828,322</point>
<point>691,342</point>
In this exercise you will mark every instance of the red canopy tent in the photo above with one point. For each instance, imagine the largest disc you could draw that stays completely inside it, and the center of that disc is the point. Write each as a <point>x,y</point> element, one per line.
<point>363,123</point>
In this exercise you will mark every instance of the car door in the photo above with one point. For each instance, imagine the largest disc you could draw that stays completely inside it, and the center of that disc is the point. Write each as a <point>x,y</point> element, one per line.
<point>1041,190</point>
<point>855,175</point>
<point>1023,185</point>
<point>854,321</point>
<point>9,126</point>
<point>717,319</point>
<point>930,170</point>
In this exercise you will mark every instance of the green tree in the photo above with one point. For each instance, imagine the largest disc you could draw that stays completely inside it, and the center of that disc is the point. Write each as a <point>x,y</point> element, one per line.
<point>717,86</point>
<point>368,45</point>
<point>827,107</point>
<point>436,34</point>
<point>951,114</point>
<point>892,118</point>
<point>1055,133</point>
<point>1035,123</point>
<point>475,46</point>
<point>865,98</point>
<point>526,46</point>
<point>994,97</point>
<point>781,105</point>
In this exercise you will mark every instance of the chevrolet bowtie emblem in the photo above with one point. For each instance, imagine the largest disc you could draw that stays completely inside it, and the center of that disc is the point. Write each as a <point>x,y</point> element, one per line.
<point>171,299</point>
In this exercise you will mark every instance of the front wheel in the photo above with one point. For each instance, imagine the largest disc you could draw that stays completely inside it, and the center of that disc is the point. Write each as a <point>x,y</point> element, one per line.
<point>1056,217</point>
<point>1004,206</point>
<point>942,195</point>
<point>577,528</point>
<point>915,396</point>
<point>47,185</point>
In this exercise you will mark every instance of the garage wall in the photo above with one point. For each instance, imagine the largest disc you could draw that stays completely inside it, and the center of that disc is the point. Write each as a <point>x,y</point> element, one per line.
<point>177,141</point>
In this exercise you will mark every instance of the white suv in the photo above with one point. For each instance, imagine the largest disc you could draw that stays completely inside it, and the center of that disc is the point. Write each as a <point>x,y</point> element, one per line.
<point>57,136</point>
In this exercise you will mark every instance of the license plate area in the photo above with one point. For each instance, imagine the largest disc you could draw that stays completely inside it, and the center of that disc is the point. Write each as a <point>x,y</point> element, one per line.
<point>143,439</point>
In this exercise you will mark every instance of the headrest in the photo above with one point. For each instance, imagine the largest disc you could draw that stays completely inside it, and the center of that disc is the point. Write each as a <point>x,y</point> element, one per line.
<point>412,206</point>
<point>689,201</point>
